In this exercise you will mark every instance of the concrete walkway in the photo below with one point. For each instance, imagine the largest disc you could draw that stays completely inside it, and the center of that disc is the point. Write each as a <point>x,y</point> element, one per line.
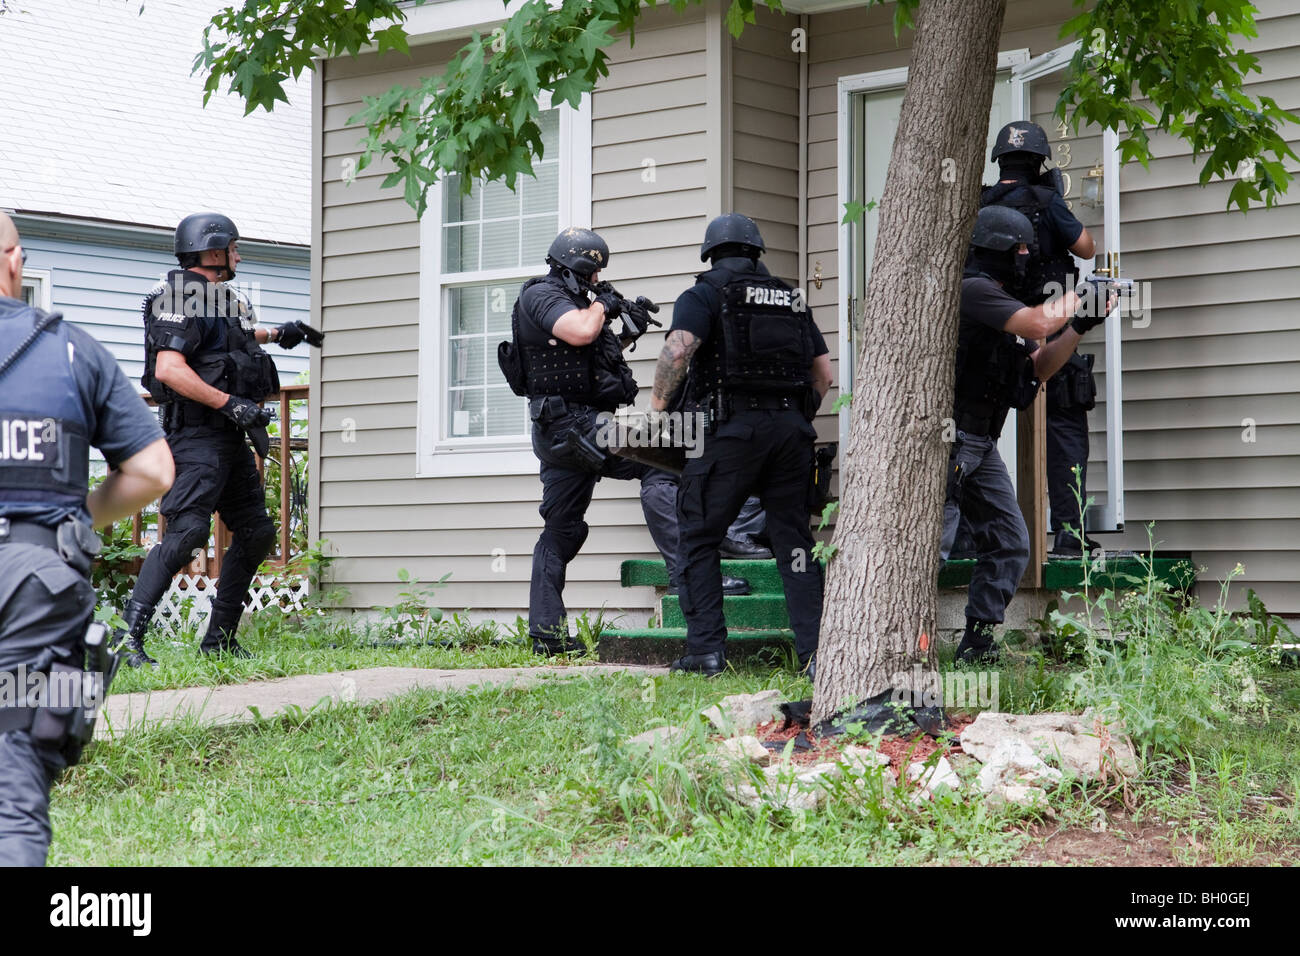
<point>231,703</point>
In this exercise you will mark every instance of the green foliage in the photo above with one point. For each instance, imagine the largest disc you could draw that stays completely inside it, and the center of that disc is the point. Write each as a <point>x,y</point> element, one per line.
<point>477,119</point>
<point>413,617</point>
<point>274,474</point>
<point>1176,67</point>
<point>1158,662</point>
<point>822,550</point>
<point>113,573</point>
<point>842,401</point>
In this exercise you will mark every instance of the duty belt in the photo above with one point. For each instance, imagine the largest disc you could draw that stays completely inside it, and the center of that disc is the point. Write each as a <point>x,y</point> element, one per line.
<point>185,414</point>
<point>72,541</point>
<point>763,401</point>
<point>972,424</point>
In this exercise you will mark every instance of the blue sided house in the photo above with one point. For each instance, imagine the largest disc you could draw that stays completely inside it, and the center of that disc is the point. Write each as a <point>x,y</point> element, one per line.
<point>102,155</point>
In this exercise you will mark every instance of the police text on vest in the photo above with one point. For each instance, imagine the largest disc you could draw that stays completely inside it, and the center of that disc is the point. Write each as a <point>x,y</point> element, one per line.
<point>22,439</point>
<point>761,295</point>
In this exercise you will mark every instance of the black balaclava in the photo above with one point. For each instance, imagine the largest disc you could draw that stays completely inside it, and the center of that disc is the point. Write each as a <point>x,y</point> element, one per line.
<point>1021,166</point>
<point>1007,267</point>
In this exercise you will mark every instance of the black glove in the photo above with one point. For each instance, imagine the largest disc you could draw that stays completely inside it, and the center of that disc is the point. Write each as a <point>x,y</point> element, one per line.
<point>244,413</point>
<point>290,336</point>
<point>637,318</point>
<point>1094,306</point>
<point>613,303</point>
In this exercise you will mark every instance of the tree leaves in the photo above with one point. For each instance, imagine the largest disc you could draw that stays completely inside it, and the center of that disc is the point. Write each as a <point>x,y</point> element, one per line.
<point>1181,60</point>
<point>1142,68</point>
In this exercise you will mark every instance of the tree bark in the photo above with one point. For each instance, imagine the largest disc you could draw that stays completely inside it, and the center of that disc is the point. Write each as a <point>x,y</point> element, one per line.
<point>881,593</point>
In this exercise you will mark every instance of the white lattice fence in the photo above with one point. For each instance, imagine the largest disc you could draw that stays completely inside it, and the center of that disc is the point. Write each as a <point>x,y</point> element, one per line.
<point>187,602</point>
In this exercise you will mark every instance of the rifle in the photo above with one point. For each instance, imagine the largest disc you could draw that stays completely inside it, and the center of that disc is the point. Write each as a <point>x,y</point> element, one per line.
<point>637,314</point>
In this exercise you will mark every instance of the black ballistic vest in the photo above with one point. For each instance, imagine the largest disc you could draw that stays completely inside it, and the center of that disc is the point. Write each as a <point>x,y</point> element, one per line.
<point>238,366</point>
<point>761,340</point>
<point>44,428</point>
<point>995,373</point>
<point>1050,264</point>
<point>595,374</point>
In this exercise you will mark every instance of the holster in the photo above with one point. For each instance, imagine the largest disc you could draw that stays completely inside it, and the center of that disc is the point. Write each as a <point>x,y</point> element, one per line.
<point>585,454</point>
<point>1074,386</point>
<point>62,728</point>
<point>819,478</point>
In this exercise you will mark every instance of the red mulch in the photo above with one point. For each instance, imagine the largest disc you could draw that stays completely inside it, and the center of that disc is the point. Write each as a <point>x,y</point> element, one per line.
<point>900,749</point>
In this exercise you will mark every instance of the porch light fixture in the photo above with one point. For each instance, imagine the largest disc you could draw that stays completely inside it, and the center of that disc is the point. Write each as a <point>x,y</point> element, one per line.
<point>1091,187</point>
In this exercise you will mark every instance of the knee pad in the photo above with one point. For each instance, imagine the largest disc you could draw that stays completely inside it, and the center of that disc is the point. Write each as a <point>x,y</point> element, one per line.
<point>183,537</point>
<point>568,542</point>
<point>257,539</point>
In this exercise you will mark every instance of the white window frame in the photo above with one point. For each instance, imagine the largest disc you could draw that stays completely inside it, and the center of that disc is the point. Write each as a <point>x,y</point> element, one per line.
<point>846,88</point>
<point>42,282</point>
<point>469,457</point>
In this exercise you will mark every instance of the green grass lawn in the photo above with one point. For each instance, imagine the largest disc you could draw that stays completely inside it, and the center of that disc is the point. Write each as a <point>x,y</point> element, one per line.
<point>536,775</point>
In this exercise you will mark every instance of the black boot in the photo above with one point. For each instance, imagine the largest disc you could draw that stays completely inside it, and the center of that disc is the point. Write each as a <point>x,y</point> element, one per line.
<point>220,635</point>
<point>977,646</point>
<point>137,616</point>
<point>552,647</point>
<point>710,665</point>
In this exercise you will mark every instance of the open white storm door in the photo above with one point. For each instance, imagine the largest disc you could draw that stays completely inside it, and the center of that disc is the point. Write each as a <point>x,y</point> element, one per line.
<point>1084,158</point>
<point>869,106</point>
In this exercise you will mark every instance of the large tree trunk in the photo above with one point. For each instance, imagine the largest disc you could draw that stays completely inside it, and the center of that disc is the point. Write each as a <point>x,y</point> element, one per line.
<point>881,591</point>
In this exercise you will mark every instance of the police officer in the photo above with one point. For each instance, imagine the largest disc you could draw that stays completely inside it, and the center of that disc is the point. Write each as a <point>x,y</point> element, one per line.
<point>1001,362</point>
<point>757,363</point>
<point>567,359</point>
<point>205,368</point>
<point>60,393</point>
<point>1019,151</point>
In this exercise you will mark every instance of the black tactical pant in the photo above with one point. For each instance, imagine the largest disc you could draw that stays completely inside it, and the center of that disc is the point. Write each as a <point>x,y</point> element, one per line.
<point>45,607</point>
<point>979,490</point>
<point>215,471</point>
<point>769,454</point>
<point>1067,446</point>
<point>567,488</point>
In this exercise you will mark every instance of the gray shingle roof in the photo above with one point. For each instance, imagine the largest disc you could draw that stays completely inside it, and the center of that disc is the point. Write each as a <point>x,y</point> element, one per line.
<point>100,118</point>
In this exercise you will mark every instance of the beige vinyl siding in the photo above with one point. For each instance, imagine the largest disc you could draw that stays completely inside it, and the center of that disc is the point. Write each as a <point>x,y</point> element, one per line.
<point>1224,341</point>
<point>765,162</point>
<point>1222,350</point>
<point>379,517</point>
<point>765,136</point>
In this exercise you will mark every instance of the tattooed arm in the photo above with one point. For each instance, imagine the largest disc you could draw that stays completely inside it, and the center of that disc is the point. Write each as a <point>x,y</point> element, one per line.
<point>674,361</point>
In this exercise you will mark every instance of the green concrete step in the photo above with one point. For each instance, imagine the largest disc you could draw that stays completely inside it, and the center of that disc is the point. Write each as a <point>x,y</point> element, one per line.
<point>762,576</point>
<point>1119,573</point>
<point>663,645</point>
<point>749,611</point>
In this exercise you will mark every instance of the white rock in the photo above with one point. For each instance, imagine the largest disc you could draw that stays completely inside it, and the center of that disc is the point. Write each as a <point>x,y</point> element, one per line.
<point>858,760</point>
<point>931,779</point>
<point>1023,796</point>
<point>740,712</point>
<point>1067,740</point>
<point>655,738</point>
<point>741,750</point>
<point>1013,763</point>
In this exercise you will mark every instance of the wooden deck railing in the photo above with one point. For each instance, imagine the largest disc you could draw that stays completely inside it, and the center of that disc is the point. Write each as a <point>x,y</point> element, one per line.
<point>210,563</point>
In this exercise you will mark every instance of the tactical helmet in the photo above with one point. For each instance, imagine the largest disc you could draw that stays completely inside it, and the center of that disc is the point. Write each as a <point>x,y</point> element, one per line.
<point>581,251</point>
<point>1021,137</point>
<point>730,229</point>
<point>1000,228</point>
<point>205,230</point>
